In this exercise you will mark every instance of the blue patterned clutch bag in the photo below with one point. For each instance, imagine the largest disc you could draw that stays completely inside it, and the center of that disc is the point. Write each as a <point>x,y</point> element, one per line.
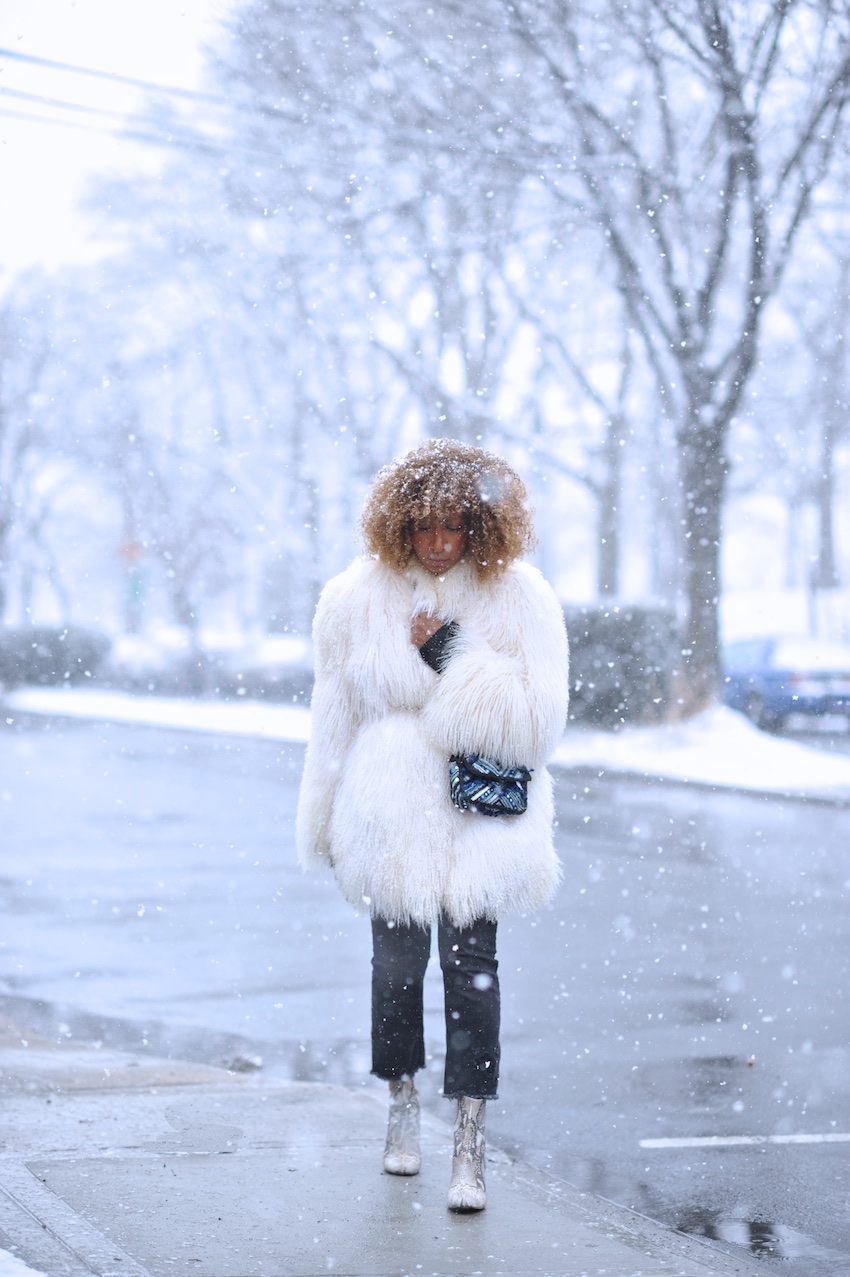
<point>484,785</point>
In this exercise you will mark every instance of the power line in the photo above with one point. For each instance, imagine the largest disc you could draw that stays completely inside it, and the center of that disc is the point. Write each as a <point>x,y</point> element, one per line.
<point>136,131</point>
<point>261,111</point>
<point>168,141</point>
<point>133,127</point>
<point>41,100</point>
<point>141,127</point>
<point>192,94</point>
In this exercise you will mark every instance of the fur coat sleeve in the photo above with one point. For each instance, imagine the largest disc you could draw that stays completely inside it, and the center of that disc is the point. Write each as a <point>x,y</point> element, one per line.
<point>364,668</point>
<point>503,691</point>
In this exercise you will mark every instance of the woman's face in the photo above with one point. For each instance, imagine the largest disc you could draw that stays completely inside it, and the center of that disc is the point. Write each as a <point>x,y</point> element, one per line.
<point>440,544</point>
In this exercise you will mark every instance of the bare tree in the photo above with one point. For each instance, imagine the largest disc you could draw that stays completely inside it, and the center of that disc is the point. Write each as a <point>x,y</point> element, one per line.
<point>692,137</point>
<point>790,441</point>
<point>441,219</point>
<point>700,133</point>
<point>824,331</point>
<point>24,354</point>
<point>431,238</point>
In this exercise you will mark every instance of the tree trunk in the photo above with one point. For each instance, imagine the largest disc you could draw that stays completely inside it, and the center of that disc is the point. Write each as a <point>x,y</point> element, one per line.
<point>703,482</point>
<point>608,514</point>
<point>826,569</point>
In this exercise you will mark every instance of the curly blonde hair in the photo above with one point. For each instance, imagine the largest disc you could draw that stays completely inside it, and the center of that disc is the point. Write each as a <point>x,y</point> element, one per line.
<point>444,478</point>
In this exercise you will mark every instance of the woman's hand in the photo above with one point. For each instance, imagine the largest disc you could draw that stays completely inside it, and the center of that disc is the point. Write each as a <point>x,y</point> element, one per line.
<point>423,626</point>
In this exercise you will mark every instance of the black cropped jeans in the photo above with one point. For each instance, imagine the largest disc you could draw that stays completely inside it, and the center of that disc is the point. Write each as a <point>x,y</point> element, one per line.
<point>471,984</point>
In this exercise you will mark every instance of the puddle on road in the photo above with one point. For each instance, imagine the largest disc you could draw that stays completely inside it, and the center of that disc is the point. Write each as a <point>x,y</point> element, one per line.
<point>700,1083</point>
<point>342,1061</point>
<point>761,1238</point>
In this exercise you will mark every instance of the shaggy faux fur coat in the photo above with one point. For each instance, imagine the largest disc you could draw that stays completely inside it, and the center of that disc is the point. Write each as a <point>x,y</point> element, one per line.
<point>374,800</point>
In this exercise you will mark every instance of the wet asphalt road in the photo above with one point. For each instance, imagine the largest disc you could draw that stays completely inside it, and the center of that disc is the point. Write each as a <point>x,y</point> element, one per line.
<point>689,981</point>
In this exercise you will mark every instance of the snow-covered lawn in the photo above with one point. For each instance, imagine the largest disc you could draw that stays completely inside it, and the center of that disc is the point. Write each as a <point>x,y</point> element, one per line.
<point>234,718</point>
<point>718,747</point>
<point>10,1266</point>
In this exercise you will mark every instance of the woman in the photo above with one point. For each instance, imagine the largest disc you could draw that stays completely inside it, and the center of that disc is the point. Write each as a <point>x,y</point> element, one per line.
<point>437,645</point>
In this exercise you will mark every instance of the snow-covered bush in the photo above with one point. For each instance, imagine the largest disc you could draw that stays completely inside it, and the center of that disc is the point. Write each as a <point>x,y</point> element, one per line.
<point>622,661</point>
<point>50,654</point>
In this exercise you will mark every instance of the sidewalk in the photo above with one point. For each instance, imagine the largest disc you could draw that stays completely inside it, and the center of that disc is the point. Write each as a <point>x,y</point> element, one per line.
<point>113,1164</point>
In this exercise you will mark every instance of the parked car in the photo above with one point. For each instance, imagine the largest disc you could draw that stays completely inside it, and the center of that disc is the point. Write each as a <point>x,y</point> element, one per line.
<point>772,678</point>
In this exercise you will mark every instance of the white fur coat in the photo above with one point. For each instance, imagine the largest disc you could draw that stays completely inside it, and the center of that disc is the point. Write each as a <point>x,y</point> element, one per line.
<point>374,799</point>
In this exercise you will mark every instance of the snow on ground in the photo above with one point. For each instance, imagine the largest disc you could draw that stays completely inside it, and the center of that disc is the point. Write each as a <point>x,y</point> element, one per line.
<point>234,718</point>
<point>12,1267</point>
<point>718,747</point>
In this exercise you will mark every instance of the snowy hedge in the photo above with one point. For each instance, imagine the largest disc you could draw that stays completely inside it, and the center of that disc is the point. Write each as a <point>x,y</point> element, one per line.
<point>622,659</point>
<point>48,655</point>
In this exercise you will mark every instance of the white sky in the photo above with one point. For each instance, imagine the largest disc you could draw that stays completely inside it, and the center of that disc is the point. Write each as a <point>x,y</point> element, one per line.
<point>44,166</point>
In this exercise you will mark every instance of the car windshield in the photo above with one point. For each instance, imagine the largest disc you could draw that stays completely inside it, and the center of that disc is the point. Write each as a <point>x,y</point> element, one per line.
<point>745,655</point>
